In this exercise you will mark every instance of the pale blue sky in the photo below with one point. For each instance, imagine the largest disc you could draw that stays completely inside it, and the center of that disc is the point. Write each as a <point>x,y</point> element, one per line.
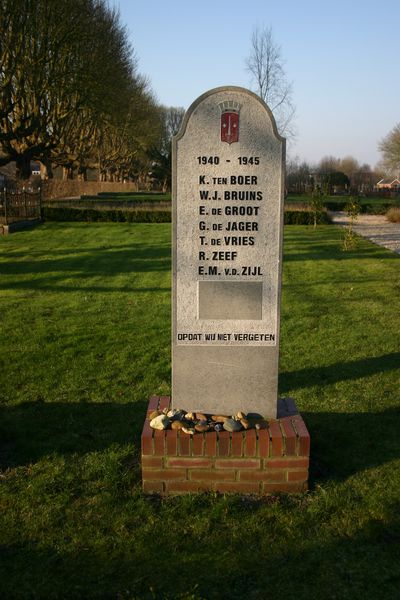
<point>342,57</point>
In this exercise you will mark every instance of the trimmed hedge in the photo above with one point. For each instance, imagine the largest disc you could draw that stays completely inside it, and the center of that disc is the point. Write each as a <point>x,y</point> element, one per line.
<point>108,204</point>
<point>128,197</point>
<point>165,195</point>
<point>371,206</point>
<point>292,217</point>
<point>304,217</point>
<point>376,208</point>
<point>117,216</point>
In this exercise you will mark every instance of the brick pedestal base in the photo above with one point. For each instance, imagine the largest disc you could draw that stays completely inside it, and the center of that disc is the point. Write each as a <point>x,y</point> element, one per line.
<point>263,461</point>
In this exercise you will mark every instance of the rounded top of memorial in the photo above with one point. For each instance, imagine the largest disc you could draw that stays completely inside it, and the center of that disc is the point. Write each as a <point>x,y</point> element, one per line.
<point>239,95</point>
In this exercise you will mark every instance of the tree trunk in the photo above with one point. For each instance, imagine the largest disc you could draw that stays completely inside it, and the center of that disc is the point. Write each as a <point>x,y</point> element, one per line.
<point>67,173</point>
<point>82,174</point>
<point>46,171</point>
<point>23,165</point>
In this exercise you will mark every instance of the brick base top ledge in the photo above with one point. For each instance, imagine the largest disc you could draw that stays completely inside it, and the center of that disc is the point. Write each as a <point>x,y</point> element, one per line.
<point>262,461</point>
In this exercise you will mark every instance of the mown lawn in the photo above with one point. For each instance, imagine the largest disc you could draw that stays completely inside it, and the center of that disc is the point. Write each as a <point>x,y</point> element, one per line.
<point>85,339</point>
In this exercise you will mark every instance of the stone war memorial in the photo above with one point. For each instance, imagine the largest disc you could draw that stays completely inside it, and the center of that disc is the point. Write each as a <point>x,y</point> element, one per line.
<point>224,428</point>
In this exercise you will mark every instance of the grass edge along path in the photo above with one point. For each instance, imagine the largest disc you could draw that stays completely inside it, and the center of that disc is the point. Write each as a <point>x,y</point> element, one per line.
<point>85,316</point>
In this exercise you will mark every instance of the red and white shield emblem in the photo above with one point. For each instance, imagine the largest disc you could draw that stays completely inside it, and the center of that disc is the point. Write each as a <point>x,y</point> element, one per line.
<point>229,127</point>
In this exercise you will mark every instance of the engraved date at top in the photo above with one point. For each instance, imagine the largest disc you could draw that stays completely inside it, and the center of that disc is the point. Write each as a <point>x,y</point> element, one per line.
<point>208,160</point>
<point>249,160</point>
<point>214,160</point>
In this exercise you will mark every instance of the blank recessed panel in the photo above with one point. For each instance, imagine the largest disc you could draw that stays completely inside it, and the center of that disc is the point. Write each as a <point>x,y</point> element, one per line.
<point>227,300</point>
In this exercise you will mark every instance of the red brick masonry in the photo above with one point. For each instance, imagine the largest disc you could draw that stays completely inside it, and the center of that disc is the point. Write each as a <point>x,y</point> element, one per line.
<point>253,461</point>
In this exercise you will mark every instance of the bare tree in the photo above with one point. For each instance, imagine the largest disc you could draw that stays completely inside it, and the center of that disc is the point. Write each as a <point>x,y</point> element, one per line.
<point>328,165</point>
<point>350,166</point>
<point>68,79</point>
<point>266,65</point>
<point>173,117</point>
<point>390,148</point>
<point>299,176</point>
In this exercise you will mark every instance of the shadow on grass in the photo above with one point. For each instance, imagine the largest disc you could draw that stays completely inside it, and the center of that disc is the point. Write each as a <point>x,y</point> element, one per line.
<point>327,254</point>
<point>341,371</point>
<point>340,566</point>
<point>316,245</point>
<point>55,284</point>
<point>33,430</point>
<point>342,443</point>
<point>108,262</point>
<point>345,443</point>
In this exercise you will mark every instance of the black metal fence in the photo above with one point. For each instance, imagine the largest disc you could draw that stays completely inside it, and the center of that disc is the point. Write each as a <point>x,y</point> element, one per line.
<point>20,205</point>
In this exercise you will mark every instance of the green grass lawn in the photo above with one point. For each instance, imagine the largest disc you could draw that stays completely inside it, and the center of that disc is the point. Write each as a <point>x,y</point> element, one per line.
<point>85,339</point>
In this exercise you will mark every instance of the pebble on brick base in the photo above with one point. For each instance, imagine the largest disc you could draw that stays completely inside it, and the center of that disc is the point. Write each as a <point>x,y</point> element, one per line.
<point>253,461</point>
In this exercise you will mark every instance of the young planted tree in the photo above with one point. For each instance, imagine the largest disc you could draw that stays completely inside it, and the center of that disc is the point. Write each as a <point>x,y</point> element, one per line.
<point>350,237</point>
<point>317,207</point>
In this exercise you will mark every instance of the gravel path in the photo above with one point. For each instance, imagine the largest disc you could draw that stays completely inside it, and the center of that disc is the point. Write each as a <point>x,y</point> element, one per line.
<point>373,227</point>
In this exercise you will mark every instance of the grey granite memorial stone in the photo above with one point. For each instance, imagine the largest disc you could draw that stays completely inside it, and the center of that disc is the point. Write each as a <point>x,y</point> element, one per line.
<point>228,186</point>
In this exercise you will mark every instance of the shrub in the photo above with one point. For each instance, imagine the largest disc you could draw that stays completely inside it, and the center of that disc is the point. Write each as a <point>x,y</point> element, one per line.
<point>393,215</point>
